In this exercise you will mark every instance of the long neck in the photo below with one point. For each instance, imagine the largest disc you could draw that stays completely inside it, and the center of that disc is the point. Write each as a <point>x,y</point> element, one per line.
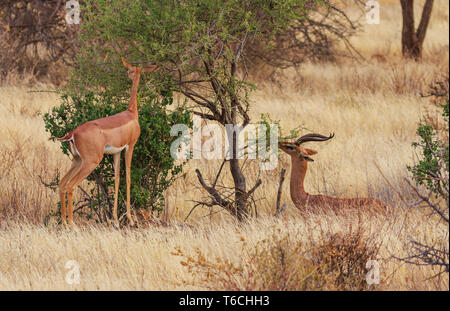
<point>298,173</point>
<point>134,88</point>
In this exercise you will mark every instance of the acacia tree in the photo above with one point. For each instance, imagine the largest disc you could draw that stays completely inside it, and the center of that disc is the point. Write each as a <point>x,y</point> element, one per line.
<point>26,25</point>
<point>412,40</point>
<point>312,37</point>
<point>200,47</point>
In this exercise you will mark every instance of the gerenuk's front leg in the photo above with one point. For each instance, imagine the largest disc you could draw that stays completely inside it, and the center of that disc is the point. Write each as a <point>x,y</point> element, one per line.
<point>128,156</point>
<point>116,158</point>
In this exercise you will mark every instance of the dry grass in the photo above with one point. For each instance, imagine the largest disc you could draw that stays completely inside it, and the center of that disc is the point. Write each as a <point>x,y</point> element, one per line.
<point>281,262</point>
<point>372,107</point>
<point>33,257</point>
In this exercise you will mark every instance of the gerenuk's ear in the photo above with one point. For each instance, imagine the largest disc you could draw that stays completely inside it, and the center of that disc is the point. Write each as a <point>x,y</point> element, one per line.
<point>310,151</point>
<point>149,68</point>
<point>126,63</point>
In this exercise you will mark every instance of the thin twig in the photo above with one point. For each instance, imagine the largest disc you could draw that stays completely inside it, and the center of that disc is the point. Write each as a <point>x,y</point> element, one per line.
<point>283,172</point>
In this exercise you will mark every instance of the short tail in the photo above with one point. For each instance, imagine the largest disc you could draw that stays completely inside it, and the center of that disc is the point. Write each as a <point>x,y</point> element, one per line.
<point>66,137</point>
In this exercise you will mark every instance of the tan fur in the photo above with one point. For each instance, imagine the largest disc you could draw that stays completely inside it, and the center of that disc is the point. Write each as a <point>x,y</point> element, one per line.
<point>91,139</point>
<point>303,200</point>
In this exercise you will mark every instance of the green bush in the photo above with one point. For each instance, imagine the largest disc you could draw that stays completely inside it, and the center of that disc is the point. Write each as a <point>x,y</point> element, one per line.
<point>432,168</point>
<point>153,169</point>
<point>431,181</point>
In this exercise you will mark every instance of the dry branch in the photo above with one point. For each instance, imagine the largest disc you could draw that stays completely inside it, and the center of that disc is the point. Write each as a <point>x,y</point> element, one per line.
<point>278,209</point>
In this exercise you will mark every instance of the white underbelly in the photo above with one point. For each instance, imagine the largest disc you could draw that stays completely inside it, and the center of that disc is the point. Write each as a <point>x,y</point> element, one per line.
<point>113,150</point>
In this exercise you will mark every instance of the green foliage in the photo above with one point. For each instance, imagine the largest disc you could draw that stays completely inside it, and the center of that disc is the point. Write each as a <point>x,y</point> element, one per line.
<point>194,42</point>
<point>153,169</point>
<point>198,45</point>
<point>432,168</point>
<point>269,124</point>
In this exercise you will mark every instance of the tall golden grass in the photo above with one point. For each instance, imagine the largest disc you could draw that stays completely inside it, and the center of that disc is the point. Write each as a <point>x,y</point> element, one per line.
<point>373,107</point>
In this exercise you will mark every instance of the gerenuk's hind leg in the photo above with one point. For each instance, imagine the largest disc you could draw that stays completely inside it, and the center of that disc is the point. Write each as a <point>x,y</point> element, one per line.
<point>84,171</point>
<point>76,164</point>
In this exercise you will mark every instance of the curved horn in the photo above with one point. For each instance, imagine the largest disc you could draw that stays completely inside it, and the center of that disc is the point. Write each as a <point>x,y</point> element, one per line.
<point>312,137</point>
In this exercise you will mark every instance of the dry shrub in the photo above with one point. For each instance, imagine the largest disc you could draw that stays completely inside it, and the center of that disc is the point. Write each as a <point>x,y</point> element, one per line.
<point>343,259</point>
<point>283,263</point>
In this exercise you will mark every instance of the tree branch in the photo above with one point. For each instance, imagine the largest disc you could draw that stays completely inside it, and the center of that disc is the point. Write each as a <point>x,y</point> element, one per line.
<point>212,191</point>
<point>283,172</point>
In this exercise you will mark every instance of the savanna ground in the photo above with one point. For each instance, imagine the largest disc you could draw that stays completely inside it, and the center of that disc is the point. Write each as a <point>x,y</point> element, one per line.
<point>373,107</point>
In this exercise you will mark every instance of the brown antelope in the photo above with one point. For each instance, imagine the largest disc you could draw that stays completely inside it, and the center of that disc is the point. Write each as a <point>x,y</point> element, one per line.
<point>300,156</point>
<point>109,135</point>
